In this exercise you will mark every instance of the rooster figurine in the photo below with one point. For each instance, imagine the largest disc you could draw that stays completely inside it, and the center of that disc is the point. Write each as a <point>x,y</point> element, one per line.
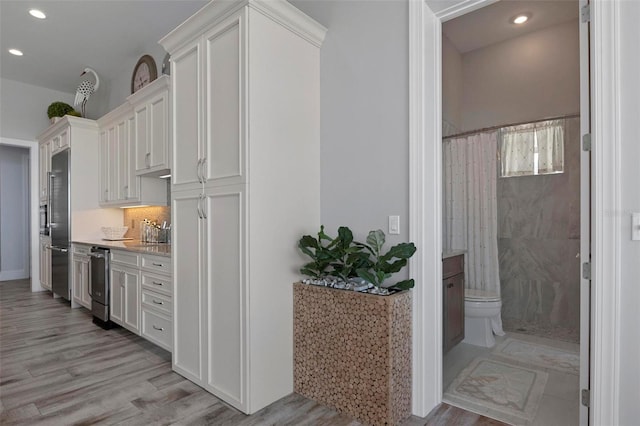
<point>85,89</point>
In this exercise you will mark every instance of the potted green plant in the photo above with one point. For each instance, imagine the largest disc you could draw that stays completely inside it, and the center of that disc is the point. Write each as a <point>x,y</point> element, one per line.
<point>60,109</point>
<point>336,262</point>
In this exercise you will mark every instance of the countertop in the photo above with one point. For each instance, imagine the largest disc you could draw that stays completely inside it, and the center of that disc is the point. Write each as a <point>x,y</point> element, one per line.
<point>137,246</point>
<point>453,253</point>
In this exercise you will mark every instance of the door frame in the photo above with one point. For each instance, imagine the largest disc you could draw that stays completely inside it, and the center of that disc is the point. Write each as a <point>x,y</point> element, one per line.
<point>425,200</point>
<point>34,207</point>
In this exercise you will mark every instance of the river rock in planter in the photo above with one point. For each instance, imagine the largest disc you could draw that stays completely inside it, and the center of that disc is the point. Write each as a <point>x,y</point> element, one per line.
<point>352,352</point>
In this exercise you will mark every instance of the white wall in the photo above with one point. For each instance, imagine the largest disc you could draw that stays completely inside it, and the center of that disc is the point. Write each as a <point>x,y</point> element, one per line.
<point>526,78</point>
<point>14,213</point>
<point>23,108</point>
<point>451,88</point>
<point>629,387</point>
<point>364,114</point>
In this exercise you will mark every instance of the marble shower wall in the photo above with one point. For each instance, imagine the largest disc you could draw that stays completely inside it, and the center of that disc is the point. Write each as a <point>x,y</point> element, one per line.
<point>539,245</point>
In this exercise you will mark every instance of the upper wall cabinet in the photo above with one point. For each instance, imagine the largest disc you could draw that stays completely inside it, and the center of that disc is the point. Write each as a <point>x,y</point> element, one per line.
<point>120,185</point>
<point>218,157</point>
<point>45,168</point>
<point>151,118</point>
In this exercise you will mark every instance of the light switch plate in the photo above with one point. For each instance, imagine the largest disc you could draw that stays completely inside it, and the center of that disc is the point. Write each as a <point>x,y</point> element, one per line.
<point>394,225</point>
<point>635,226</point>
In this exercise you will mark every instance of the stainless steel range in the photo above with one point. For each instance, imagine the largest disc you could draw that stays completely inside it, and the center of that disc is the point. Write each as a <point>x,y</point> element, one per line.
<point>99,286</point>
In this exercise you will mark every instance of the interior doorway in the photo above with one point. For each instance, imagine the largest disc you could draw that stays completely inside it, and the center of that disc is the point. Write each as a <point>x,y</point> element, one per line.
<point>426,21</point>
<point>511,197</point>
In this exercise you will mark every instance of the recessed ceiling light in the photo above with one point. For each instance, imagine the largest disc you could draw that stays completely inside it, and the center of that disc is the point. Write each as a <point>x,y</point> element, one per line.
<point>37,13</point>
<point>520,19</point>
<point>15,52</point>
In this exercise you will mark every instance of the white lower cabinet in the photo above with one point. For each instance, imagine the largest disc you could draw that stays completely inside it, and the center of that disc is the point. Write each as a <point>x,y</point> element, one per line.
<point>141,295</point>
<point>45,262</point>
<point>125,297</point>
<point>80,275</point>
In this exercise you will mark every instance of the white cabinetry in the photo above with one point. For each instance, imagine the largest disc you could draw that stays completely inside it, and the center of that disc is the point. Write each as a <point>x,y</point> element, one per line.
<point>80,275</point>
<point>245,91</point>
<point>157,301</point>
<point>141,295</point>
<point>125,297</point>
<point>45,262</point>
<point>119,184</point>
<point>151,118</point>
<point>45,168</point>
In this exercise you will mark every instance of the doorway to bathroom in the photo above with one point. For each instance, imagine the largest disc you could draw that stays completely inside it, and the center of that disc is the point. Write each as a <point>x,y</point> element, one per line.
<point>511,219</point>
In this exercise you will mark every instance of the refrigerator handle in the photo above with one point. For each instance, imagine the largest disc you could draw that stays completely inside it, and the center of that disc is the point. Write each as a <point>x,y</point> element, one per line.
<point>50,201</point>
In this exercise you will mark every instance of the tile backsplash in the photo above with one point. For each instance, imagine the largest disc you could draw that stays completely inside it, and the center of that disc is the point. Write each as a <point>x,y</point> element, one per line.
<point>133,217</point>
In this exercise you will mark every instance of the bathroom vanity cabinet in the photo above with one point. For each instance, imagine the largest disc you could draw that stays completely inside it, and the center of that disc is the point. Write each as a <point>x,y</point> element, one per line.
<point>453,300</point>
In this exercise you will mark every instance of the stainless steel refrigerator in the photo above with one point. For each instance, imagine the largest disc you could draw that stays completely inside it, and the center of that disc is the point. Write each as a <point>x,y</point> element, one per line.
<point>59,207</point>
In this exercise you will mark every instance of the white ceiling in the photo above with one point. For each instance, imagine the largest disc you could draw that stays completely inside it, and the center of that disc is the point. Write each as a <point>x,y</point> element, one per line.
<point>101,34</point>
<point>492,24</point>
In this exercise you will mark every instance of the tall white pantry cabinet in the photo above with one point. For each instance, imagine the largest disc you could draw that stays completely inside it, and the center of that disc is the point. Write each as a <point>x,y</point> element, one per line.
<point>245,187</point>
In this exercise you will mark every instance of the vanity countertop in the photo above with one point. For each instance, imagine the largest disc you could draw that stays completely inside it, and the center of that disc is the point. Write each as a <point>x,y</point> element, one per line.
<point>453,253</point>
<point>137,246</point>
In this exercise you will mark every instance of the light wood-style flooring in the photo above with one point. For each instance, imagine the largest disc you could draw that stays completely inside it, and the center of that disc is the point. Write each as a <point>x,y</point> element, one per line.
<point>58,368</point>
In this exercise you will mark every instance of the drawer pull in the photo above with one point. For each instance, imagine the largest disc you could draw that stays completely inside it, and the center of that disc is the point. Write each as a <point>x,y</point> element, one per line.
<point>450,285</point>
<point>157,303</point>
<point>156,283</point>
<point>157,328</point>
<point>157,264</point>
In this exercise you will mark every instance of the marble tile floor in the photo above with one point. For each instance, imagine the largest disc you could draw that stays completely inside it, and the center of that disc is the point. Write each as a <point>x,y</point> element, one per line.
<point>58,368</point>
<point>559,403</point>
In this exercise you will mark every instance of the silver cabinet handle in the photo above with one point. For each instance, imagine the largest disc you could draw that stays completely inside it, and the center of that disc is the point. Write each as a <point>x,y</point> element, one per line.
<point>156,264</point>
<point>157,303</point>
<point>204,212</point>
<point>200,213</point>
<point>147,160</point>
<point>156,283</point>
<point>202,169</point>
<point>157,328</point>
<point>198,170</point>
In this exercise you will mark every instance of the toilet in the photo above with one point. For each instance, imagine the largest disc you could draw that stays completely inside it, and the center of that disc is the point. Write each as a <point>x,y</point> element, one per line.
<point>481,317</point>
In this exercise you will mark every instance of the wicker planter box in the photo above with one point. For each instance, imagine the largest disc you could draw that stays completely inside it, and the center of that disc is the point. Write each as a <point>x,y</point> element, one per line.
<point>352,352</point>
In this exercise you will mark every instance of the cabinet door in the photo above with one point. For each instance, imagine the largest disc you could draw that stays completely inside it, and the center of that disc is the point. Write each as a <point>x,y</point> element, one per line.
<point>142,136</point>
<point>45,264</point>
<point>114,179</point>
<point>45,168</point>
<point>104,167</point>
<point>187,105</point>
<point>76,279</point>
<point>225,88</point>
<point>158,143</point>
<point>131,305</point>
<point>224,290</point>
<point>453,289</point>
<point>117,293</point>
<point>133,181</point>
<point>120,165</point>
<point>85,296</point>
<point>189,296</point>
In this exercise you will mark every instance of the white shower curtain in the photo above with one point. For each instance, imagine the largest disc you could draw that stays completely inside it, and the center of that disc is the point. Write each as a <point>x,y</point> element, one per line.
<point>470,209</point>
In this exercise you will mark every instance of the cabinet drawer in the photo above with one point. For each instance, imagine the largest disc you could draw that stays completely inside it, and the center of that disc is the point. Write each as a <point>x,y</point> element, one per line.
<point>157,283</point>
<point>452,266</point>
<point>81,249</point>
<point>125,258</point>
<point>158,264</point>
<point>151,300</point>
<point>157,329</point>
